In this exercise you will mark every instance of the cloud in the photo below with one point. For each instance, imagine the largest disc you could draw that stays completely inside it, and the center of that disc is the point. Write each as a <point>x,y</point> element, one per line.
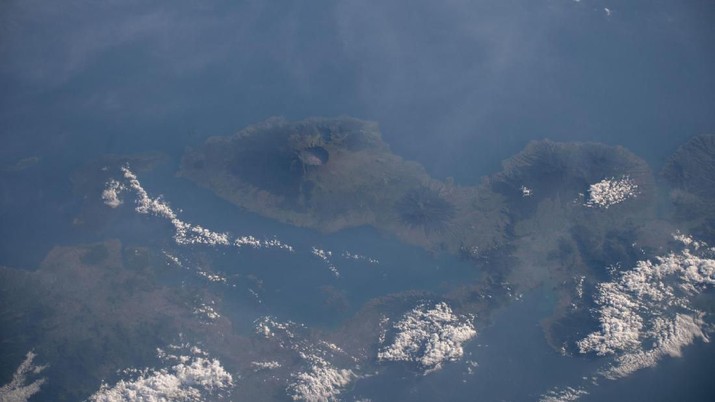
<point>214,277</point>
<point>429,337</point>
<point>269,327</point>
<point>349,256</point>
<point>608,192</point>
<point>318,378</point>
<point>563,395</point>
<point>185,233</point>
<point>267,365</point>
<point>18,390</point>
<point>326,255</point>
<point>111,192</point>
<point>190,379</point>
<point>321,382</point>
<point>207,311</point>
<point>526,191</point>
<point>646,313</point>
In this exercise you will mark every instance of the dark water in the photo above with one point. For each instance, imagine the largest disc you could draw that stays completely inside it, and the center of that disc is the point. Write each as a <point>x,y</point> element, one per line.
<point>457,86</point>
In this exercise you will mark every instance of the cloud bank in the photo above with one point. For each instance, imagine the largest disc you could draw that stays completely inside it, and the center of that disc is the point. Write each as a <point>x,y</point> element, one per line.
<point>192,378</point>
<point>429,337</point>
<point>647,313</point>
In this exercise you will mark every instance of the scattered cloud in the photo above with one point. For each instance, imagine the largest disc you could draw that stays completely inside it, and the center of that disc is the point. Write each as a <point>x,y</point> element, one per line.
<point>190,378</point>
<point>358,257</point>
<point>213,277</point>
<point>269,327</point>
<point>207,311</point>
<point>326,255</point>
<point>608,192</point>
<point>319,378</point>
<point>429,337</point>
<point>269,365</point>
<point>646,313</point>
<point>563,395</point>
<point>18,390</point>
<point>579,286</point>
<point>321,382</point>
<point>471,366</point>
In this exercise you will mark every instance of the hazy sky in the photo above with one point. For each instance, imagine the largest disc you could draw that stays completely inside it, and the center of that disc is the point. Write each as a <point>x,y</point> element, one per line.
<point>457,85</point>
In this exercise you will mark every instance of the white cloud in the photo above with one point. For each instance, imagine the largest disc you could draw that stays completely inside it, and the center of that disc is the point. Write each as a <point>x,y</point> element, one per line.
<point>185,233</point>
<point>526,191</point>
<point>349,256</point>
<point>18,390</point>
<point>563,395</point>
<point>608,192</point>
<point>646,313</point>
<point>207,311</point>
<point>318,379</point>
<point>269,327</point>
<point>268,365</point>
<point>326,255</point>
<point>322,382</point>
<point>579,286</point>
<point>429,337</point>
<point>213,277</point>
<point>471,366</point>
<point>111,192</point>
<point>190,379</point>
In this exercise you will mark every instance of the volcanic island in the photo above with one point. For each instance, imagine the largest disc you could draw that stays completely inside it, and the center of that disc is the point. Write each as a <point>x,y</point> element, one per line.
<point>330,174</point>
